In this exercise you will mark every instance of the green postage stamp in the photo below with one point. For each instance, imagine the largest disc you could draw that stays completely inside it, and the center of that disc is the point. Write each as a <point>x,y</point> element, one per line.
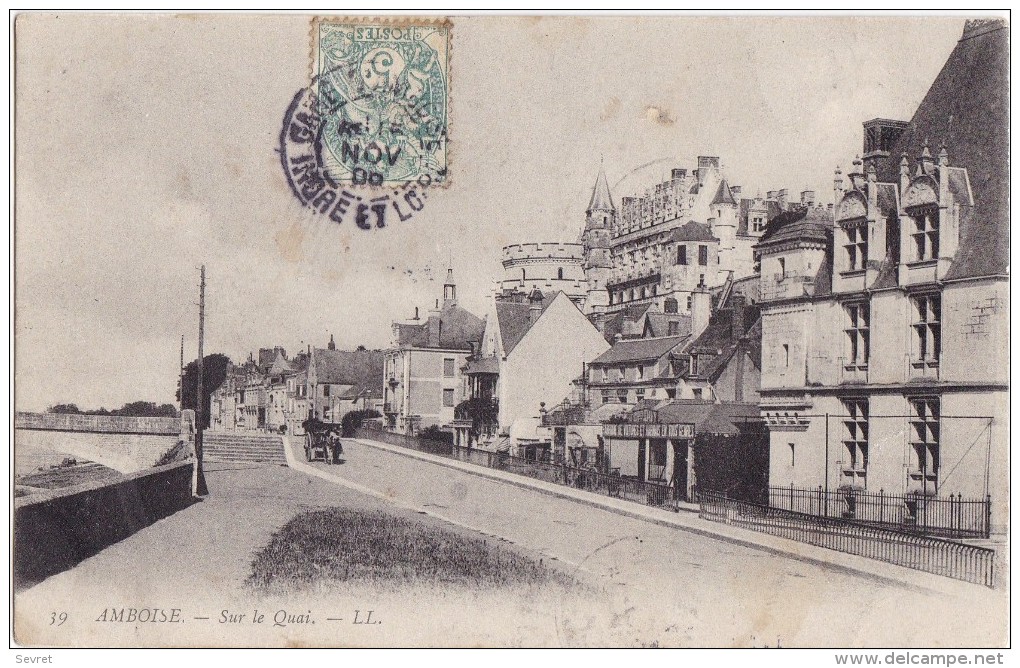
<point>383,96</point>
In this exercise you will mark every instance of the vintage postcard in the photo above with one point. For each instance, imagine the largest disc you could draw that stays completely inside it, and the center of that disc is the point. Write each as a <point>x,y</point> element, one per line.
<point>482,331</point>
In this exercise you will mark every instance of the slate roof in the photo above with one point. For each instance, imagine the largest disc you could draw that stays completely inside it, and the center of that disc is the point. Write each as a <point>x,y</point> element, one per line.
<point>362,369</point>
<point>799,224</point>
<point>657,324</point>
<point>600,196</point>
<point>635,350</point>
<point>515,320</point>
<point>453,327</point>
<point>723,195</point>
<point>280,366</point>
<point>718,341</point>
<point>614,324</point>
<point>967,109</point>
<point>693,231</point>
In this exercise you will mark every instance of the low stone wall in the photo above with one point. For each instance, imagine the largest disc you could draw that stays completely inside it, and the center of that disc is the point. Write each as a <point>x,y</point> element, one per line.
<point>105,424</point>
<point>54,531</point>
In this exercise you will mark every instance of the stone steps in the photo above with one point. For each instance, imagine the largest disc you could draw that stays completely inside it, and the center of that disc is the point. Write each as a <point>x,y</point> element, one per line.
<point>241,447</point>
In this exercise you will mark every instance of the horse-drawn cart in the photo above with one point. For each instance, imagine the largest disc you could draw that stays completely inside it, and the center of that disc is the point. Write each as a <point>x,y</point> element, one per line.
<point>322,443</point>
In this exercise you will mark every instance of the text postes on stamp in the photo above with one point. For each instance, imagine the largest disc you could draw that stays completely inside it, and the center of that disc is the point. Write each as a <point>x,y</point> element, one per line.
<point>383,96</point>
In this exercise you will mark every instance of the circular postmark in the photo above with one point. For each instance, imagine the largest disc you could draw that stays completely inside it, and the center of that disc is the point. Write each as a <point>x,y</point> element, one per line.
<point>312,180</point>
<point>368,137</point>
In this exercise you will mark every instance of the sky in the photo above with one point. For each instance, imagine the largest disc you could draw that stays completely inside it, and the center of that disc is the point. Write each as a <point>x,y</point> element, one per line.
<point>146,146</point>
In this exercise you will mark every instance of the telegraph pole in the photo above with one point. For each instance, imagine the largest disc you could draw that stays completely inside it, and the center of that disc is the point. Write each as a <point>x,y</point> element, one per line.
<point>200,487</point>
<point>180,381</point>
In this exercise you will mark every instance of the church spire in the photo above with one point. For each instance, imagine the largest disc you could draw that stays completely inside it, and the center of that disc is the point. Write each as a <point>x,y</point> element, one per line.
<point>601,200</point>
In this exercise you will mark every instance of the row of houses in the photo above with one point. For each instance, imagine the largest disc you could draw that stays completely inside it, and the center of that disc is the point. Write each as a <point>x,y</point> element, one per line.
<point>274,392</point>
<point>867,353</point>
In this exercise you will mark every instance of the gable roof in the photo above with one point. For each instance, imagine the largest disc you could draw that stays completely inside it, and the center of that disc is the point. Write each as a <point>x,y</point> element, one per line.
<point>617,322</point>
<point>515,320</point>
<point>636,350</point>
<point>967,110</point>
<point>362,369</point>
<point>280,366</point>
<point>719,342</point>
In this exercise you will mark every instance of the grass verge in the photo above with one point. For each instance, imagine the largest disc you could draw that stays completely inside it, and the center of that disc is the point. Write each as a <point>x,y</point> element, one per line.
<point>358,546</point>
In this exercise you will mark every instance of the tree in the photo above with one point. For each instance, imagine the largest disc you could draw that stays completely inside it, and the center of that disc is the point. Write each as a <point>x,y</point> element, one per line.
<point>352,421</point>
<point>146,409</point>
<point>65,408</point>
<point>214,370</point>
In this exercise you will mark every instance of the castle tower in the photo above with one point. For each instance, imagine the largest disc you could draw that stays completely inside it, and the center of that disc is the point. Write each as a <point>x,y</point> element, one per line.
<point>598,264</point>
<point>449,289</point>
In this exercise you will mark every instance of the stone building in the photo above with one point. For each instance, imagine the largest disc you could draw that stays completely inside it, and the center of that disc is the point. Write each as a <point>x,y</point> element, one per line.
<point>423,370</point>
<point>885,324</point>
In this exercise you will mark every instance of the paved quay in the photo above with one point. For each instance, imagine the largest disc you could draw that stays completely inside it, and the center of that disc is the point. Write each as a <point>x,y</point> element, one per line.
<point>764,586</point>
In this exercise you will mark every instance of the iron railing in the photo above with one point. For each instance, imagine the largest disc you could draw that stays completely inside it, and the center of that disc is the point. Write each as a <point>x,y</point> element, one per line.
<point>947,558</point>
<point>950,516</point>
<point>608,484</point>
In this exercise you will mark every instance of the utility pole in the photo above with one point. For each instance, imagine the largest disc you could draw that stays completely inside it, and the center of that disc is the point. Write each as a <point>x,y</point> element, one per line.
<point>180,381</point>
<point>200,487</point>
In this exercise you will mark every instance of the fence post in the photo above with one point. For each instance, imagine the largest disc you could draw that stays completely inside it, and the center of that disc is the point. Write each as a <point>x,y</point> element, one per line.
<point>820,499</point>
<point>881,505</point>
<point>791,496</point>
<point>988,515</point>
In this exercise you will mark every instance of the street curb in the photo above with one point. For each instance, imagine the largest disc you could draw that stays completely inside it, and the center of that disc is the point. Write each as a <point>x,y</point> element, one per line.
<point>859,566</point>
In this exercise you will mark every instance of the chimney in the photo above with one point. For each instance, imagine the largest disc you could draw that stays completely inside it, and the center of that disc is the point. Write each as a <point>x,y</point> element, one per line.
<point>678,173</point>
<point>807,197</point>
<point>771,194</point>
<point>857,175</point>
<point>416,317</point>
<point>736,191</point>
<point>783,197</point>
<point>701,311</point>
<point>738,303</point>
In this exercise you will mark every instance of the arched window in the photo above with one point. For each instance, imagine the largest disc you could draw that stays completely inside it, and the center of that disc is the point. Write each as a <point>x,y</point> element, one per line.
<point>524,275</point>
<point>559,273</point>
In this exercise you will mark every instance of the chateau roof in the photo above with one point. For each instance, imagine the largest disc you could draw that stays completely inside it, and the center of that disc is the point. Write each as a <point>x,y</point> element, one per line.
<point>967,110</point>
<point>601,200</point>
<point>724,195</point>
<point>693,231</point>
<point>799,224</point>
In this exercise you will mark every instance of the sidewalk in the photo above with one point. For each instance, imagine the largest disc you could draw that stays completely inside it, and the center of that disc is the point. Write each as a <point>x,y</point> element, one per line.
<point>688,521</point>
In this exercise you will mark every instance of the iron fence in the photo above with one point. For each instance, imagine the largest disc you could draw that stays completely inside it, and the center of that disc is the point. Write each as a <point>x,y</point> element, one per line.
<point>961,561</point>
<point>951,516</point>
<point>608,484</point>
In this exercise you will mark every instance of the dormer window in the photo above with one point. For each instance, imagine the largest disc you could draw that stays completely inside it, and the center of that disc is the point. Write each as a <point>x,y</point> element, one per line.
<point>856,247</point>
<point>926,233</point>
<point>694,365</point>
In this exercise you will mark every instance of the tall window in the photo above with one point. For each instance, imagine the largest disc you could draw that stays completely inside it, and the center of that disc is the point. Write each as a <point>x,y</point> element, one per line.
<point>858,333</point>
<point>924,437</point>
<point>926,234</point>
<point>559,273</point>
<point>756,224</point>
<point>448,398</point>
<point>681,254</point>
<point>856,247</point>
<point>325,390</point>
<point>448,364</point>
<point>694,365</point>
<point>640,371</point>
<point>690,302</point>
<point>782,268</point>
<point>855,441</point>
<point>786,355</point>
<point>672,328</point>
<point>927,328</point>
<point>703,255</point>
